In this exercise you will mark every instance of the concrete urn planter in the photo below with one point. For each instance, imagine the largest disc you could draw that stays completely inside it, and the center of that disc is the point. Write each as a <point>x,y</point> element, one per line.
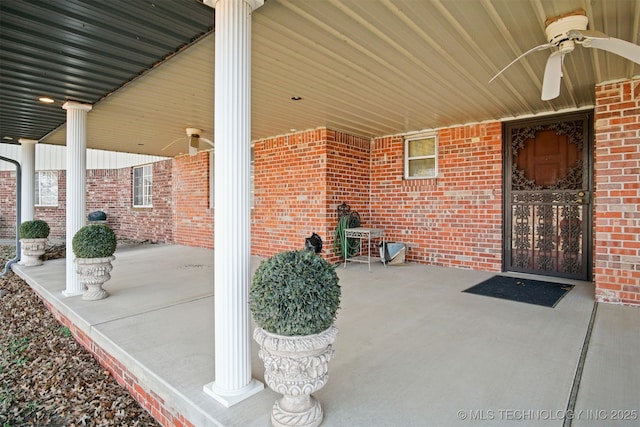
<point>296,366</point>
<point>32,249</point>
<point>93,273</point>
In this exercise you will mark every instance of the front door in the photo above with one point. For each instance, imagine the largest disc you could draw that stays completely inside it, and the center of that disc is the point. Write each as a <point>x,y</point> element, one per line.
<point>548,188</point>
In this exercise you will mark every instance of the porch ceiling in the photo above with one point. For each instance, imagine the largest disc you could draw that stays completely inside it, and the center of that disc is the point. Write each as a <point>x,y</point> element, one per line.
<point>371,67</point>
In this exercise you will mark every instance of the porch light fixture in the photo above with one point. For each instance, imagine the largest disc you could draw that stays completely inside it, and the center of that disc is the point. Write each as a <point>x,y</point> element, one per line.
<point>46,100</point>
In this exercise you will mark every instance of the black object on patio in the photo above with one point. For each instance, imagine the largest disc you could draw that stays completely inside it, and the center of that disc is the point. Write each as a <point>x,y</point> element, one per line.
<point>529,291</point>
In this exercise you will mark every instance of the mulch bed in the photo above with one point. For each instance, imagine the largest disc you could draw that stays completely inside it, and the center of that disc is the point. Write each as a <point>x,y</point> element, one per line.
<point>46,377</point>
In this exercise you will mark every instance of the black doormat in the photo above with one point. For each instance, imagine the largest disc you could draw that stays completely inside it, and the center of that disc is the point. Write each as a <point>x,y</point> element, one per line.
<point>529,291</point>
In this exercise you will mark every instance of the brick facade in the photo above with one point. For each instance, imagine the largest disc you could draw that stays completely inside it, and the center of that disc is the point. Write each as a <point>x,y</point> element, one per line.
<point>192,216</point>
<point>300,179</point>
<point>454,220</point>
<point>153,224</point>
<point>108,190</point>
<point>7,205</point>
<point>617,193</point>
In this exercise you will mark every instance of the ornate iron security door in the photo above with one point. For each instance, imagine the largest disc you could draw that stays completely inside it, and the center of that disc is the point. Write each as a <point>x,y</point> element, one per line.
<point>548,196</point>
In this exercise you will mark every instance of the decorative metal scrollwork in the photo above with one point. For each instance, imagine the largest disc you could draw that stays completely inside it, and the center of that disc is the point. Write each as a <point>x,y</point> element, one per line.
<point>546,221</point>
<point>520,137</point>
<point>571,181</point>
<point>545,234</point>
<point>521,236</point>
<point>571,237</point>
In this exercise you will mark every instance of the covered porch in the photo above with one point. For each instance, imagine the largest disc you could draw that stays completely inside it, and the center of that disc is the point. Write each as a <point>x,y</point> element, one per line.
<point>412,350</point>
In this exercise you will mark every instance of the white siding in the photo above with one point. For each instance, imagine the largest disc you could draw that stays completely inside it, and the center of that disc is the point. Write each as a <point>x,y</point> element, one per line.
<point>53,157</point>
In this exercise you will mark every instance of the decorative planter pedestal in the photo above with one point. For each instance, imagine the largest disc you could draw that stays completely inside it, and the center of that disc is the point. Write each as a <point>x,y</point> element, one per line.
<point>93,273</point>
<point>296,367</point>
<point>32,249</point>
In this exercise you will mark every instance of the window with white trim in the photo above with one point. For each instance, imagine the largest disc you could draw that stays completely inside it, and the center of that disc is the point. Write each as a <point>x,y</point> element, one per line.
<point>142,186</point>
<point>46,188</point>
<point>421,157</point>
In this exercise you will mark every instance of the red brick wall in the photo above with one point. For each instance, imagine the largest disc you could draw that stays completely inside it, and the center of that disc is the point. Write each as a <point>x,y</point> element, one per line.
<point>299,181</point>
<point>192,217</point>
<point>348,175</point>
<point>7,205</point>
<point>617,193</point>
<point>154,224</point>
<point>454,220</point>
<point>109,191</point>
<point>54,215</point>
<point>290,191</point>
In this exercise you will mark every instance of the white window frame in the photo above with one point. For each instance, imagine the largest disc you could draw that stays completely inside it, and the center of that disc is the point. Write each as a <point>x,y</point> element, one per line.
<point>146,187</point>
<point>47,196</point>
<point>408,159</point>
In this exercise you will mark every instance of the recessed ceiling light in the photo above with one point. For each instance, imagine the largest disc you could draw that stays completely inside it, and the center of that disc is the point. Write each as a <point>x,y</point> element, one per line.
<point>296,98</point>
<point>46,100</point>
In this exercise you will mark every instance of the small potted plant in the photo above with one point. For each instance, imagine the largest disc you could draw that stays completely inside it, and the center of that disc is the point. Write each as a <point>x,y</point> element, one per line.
<point>93,246</point>
<point>293,299</point>
<point>33,241</point>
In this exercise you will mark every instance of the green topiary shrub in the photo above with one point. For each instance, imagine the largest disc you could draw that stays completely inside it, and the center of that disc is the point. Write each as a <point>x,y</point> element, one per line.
<point>35,229</point>
<point>94,241</point>
<point>294,293</point>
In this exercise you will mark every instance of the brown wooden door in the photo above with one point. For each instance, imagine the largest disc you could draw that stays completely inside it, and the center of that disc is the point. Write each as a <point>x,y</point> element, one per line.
<point>548,176</point>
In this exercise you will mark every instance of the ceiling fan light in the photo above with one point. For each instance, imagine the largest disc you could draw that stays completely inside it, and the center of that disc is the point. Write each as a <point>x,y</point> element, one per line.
<point>567,46</point>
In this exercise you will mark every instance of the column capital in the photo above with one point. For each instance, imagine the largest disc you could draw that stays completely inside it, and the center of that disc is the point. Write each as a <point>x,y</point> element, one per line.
<point>75,105</point>
<point>253,4</point>
<point>27,141</point>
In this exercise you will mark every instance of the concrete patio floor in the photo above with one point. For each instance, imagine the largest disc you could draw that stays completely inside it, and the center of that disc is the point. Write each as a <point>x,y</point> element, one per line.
<point>413,350</point>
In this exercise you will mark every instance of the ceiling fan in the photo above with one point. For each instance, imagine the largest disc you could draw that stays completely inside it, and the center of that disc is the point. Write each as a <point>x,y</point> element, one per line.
<point>564,32</point>
<point>193,138</point>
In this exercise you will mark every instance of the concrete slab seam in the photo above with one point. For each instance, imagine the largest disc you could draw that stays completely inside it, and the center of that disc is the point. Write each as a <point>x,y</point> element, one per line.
<point>573,396</point>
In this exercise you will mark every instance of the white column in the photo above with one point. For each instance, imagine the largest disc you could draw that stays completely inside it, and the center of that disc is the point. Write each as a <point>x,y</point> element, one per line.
<point>232,253</point>
<point>28,160</point>
<point>76,185</point>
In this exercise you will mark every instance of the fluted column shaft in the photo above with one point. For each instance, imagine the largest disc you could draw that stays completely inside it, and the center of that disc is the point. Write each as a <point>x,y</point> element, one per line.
<point>232,241</point>
<point>28,159</point>
<point>76,185</point>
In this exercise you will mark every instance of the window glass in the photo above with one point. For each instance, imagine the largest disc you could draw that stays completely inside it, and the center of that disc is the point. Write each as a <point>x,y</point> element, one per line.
<point>46,188</point>
<point>422,147</point>
<point>421,160</point>
<point>142,186</point>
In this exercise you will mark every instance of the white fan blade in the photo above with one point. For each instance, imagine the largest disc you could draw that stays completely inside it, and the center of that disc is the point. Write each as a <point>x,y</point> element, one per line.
<point>552,76</point>
<point>171,143</point>
<point>533,49</point>
<point>619,47</point>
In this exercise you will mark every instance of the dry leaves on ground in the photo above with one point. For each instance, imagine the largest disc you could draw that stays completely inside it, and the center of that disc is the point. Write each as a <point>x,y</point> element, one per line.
<point>46,377</point>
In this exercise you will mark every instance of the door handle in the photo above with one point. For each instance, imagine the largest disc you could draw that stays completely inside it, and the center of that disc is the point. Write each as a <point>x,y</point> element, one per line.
<point>581,197</point>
